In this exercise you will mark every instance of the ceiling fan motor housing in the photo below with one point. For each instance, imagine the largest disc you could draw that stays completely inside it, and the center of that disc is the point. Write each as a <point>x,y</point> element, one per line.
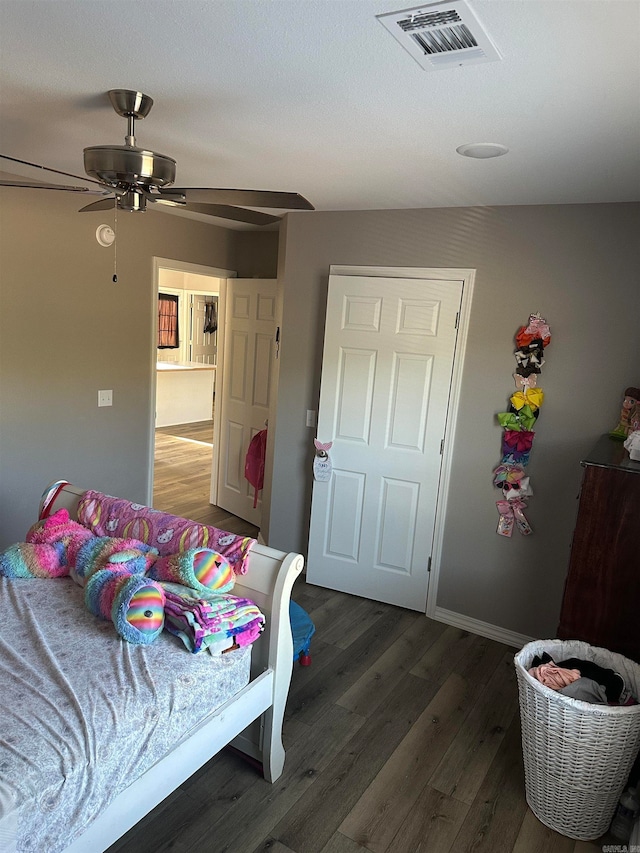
<point>125,165</point>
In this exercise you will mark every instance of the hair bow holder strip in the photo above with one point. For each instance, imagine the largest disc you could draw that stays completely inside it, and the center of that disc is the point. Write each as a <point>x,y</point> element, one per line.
<point>518,424</point>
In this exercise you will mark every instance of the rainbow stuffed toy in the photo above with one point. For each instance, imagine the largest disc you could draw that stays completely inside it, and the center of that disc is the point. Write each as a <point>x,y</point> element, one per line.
<point>61,532</point>
<point>134,603</point>
<point>50,549</point>
<point>30,560</point>
<point>107,552</point>
<point>198,568</point>
<point>120,576</point>
<point>113,573</point>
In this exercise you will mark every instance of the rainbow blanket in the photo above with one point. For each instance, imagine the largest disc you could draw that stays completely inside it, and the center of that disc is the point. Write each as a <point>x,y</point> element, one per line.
<point>215,622</point>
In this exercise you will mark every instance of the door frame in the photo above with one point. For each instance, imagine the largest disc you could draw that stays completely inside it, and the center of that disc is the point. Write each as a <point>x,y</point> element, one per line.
<point>467,276</point>
<point>159,263</point>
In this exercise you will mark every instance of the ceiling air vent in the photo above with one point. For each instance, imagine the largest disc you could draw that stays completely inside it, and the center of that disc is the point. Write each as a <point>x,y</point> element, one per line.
<point>440,35</point>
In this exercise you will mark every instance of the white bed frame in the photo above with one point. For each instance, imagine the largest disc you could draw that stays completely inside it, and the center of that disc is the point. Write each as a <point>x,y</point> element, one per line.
<point>250,721</point>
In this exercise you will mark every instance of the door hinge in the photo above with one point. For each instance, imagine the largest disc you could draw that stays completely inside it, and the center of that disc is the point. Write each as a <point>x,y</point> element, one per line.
<point>429,565</point>
<point>442,447</point>
<point>277,341</point>
<point>457,320</point>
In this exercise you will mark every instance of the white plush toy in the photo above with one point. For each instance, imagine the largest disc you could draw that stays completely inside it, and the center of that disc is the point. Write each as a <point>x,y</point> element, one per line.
<point>632,444</point>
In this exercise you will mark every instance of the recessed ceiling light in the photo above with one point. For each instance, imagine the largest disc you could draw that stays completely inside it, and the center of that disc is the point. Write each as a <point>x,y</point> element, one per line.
<point>482,150</point>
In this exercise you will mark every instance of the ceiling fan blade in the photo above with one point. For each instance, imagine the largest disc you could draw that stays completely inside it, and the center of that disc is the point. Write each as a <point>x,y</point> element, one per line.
<point>248,198</point>
<point>101,204</point>
<point>32,185</point>
<point>227,211</point>
<point>55,171</point>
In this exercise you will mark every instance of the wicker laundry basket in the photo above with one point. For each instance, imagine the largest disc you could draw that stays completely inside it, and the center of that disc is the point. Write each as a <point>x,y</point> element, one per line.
<point>577,755</point>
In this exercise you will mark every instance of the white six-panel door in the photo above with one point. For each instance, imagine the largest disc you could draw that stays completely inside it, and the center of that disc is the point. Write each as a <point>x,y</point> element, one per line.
<point>249,342</point>
<point>386,377</point>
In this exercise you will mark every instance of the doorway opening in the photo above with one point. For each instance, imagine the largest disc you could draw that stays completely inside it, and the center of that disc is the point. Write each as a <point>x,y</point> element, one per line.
<point>187,349</point>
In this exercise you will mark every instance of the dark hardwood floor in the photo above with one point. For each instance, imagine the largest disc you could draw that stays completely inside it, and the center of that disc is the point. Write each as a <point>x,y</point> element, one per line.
<point>403,736</point>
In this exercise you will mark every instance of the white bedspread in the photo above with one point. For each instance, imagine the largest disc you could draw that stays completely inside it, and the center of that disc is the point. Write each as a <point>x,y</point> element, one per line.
<point>83,713</point>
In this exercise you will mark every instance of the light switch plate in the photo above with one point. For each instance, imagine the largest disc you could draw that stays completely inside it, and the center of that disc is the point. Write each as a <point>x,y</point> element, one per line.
<point>311,418</point>
<point>105,398</point>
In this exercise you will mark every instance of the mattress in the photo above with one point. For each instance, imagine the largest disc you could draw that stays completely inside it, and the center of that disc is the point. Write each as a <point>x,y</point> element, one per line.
<point>83,713</point>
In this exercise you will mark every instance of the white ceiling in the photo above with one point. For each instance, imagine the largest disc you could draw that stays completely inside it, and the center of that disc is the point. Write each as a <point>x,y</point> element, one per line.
<point>316,97</point>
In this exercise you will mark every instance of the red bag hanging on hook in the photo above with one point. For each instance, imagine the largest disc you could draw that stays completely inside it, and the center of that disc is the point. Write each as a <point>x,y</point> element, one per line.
<point>254,463</point>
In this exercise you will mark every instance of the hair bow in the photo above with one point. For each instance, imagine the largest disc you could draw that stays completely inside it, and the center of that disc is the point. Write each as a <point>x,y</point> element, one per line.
<point>540,328</point>
<point>507,473</point>
<point>508,420</point>
<point>505,524</point>
<point>530,355</point>
<point>516,457</point>
<point>515,491</point>
<point>521,522</point>
<point>525,381</point>
<point>524,419</point>
<point>531,397</point>
<point>517,441</point>
<point>511,511</point>
<point>524,337</point>
<point>529,370</point>
<point>536,331</point>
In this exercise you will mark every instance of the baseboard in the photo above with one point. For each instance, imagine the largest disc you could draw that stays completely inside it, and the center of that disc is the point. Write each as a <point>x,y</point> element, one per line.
<point>484,629</point>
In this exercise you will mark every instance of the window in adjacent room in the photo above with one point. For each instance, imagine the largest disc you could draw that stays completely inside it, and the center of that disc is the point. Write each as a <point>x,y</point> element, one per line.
<point>168,334</point>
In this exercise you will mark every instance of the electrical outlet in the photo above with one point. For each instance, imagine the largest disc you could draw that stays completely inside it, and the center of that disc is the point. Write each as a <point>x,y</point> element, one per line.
<point>311,418</point>
<point>105,398</point>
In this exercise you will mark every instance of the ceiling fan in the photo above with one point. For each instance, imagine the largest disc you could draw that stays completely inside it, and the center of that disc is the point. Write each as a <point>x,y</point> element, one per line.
<point>130,177</point>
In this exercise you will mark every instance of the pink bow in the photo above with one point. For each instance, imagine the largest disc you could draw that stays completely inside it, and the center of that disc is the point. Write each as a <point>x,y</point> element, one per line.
<point>510,512</point>
<point>518,505</point>
<point>538,327</point>
<point>525,381</point>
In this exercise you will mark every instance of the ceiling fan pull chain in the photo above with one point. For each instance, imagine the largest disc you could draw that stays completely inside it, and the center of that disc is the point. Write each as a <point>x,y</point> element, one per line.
<point>115,244</point>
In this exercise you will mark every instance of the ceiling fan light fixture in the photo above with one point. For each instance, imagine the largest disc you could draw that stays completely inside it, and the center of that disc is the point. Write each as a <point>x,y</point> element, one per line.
<point>482,150</point>
<point>132,200</point>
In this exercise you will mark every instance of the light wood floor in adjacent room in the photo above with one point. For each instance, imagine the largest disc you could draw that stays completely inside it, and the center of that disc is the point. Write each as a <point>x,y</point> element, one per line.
<point>182,477</point>
<point>402,737</point>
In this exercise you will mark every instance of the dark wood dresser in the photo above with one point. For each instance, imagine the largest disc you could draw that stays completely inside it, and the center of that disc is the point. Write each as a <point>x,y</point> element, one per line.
<point>601,602</point>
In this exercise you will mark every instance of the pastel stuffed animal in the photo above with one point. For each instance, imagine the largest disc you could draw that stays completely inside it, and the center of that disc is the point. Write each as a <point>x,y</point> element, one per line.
<point>198,568</point>
<point>120,576</point>
<point>31,560</point>
<point>108,552</point>
<point>133,602</point>
<point>49,551</point>
<point>61,532</point>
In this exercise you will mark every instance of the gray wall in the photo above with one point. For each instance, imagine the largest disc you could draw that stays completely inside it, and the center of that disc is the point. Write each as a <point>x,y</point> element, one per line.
<point>577,265</point>
<point>66,330</point>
